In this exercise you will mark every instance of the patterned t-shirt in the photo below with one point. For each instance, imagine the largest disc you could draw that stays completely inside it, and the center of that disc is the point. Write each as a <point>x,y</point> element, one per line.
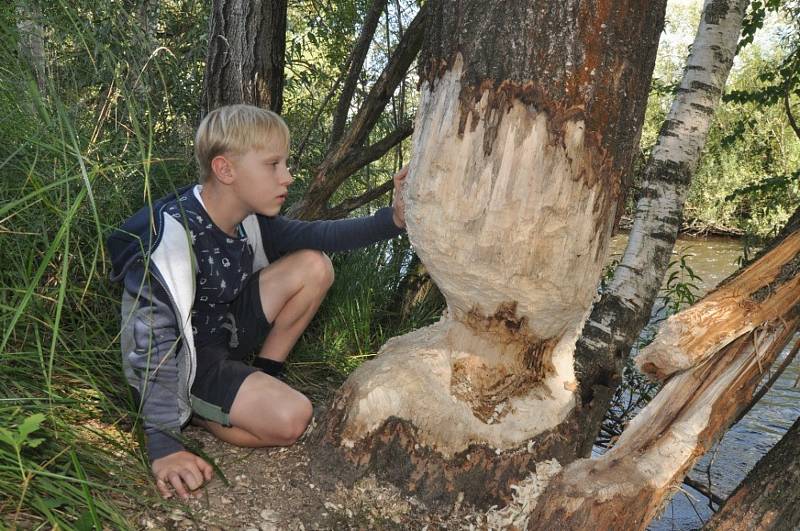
<point>224,264</point>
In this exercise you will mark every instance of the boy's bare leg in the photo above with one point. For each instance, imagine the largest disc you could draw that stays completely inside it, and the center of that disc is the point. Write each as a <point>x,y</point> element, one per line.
<point>253,424</point>
<point>292,290</point>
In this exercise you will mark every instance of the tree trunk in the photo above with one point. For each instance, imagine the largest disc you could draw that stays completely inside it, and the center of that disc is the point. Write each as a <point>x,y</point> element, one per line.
<point>246,54</point>
<point>528,119</point>
<point>769,497</point>
<point>31,41</point>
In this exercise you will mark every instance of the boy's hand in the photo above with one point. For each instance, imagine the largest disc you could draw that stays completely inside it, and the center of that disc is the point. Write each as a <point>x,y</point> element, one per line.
<point>398,204</point>
<point>181,468</point>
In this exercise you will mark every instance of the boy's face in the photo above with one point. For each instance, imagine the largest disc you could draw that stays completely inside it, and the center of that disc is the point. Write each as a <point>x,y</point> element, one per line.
<point>262,179</point>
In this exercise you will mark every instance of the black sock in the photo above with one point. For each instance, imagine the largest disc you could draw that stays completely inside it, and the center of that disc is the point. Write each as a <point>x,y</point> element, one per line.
<point>271,367</point>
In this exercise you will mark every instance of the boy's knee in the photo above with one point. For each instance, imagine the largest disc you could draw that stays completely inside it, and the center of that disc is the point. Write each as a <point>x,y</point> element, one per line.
<point>303,417</point>
<point>320,267</point>
<point>294,420</point>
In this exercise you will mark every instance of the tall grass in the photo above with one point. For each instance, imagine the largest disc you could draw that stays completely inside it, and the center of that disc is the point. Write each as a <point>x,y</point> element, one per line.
<point>77,158</point>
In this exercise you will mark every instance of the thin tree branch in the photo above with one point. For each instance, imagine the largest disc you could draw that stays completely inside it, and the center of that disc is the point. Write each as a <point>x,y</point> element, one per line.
<point>357,159</point>
<point>348,205</point>
<point>792,122</point>
<point>356,66</point>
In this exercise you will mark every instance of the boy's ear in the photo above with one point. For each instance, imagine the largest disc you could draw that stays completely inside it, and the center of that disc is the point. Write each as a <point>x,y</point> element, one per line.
<point>222,168</point>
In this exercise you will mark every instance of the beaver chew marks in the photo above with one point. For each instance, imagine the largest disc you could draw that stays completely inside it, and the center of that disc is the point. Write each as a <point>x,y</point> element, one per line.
<point>488,388</point>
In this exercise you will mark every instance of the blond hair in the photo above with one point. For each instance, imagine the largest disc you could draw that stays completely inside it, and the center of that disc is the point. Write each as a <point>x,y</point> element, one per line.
<point>235,129</point>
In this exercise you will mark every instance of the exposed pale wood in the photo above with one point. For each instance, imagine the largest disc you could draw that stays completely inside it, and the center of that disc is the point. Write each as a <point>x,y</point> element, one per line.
<point>626,487</point>
<point>761,292</point>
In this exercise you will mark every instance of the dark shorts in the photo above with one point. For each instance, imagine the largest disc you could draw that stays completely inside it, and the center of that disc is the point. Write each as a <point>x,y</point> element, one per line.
<point>222,367</point>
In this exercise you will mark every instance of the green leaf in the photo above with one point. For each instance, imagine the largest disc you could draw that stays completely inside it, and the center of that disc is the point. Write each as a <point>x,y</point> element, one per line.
<point>30,425</point>
<point>33,443</point>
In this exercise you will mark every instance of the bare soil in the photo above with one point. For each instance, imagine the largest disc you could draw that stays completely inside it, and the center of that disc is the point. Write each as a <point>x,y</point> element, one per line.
<point>272,488</point>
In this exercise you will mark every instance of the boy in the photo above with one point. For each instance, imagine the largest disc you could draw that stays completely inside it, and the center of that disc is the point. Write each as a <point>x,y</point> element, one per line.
<point>213,276</point>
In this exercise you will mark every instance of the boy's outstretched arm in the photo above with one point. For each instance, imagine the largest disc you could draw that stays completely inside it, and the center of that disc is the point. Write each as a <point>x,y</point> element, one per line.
<point>154,357</point>
<point>283,235</point>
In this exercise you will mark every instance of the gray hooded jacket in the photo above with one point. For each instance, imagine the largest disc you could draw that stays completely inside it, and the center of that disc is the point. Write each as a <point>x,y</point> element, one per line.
<point>152,255</point>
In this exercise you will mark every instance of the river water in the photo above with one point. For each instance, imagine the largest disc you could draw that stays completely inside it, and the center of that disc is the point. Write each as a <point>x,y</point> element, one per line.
<point>713,259</point>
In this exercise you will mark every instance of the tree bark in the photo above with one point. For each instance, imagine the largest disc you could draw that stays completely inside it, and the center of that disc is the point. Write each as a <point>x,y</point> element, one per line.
<point>31,41</point>
<point>769,497</point>
<point>528,119</point>
<point>246,54</point>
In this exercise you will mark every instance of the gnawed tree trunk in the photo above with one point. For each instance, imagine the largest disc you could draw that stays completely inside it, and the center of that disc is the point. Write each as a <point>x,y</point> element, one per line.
<point>626,487</point>
<point>759,293</point>
<point>769,497</point>
<point>529,115</point>
<point>246,54</point>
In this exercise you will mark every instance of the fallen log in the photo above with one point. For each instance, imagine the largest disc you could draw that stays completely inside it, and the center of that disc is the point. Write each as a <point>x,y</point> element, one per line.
<point>627,486</point>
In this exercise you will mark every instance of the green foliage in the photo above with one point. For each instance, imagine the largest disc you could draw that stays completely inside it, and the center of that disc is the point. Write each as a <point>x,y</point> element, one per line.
<point>111,129</point>
<point>746,181</point>
<point>680,289</point>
